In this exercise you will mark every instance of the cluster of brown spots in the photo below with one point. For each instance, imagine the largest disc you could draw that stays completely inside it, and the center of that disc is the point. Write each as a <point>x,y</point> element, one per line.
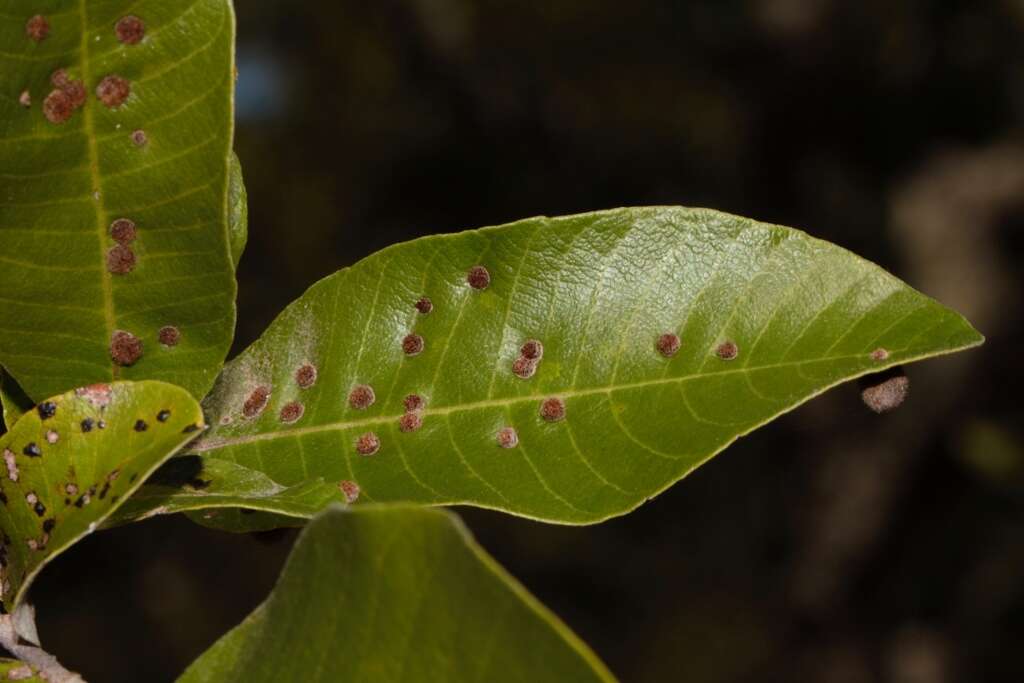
<point>885,391</point>
<point>412,344</point>
<point>130,30</point>
<point>123,231</point>
<point>25,99</point>
<point>52,436</point>
<point>367,444</point>
<point>552,409</point>
<point>121,260</point>
<point>139,138</point>
<point>256,402</point>
<point>727,350</point>
<point>12,464</point>
<point>507,437</point>
<point>478,277</point>
<point>668,344</point>
<point>291,412</point>
<point>98,395</point>
<point>879,354</point>
<point>305,376</point>
<point>113,91</point>
<point>67,96</point>
<point>424,305</point>
<point>169,335</point>
<point>410,422</point>
<point>125,348</point>
<point>413,402</point>
<point>37,28</point>
<point>361,397</point>
<point>46,409</point>
<point>75,90</point>
<point>530,354</point>
<point>350,489</point>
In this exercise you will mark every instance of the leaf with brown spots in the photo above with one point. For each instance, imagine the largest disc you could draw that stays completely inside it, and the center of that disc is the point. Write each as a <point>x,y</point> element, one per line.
<point>60,480</point>
<point>389,594</point>
<point>566,345</point>
<point>75,177</point>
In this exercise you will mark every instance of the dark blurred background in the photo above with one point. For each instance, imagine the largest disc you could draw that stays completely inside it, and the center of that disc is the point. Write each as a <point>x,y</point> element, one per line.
<point>833,545</point>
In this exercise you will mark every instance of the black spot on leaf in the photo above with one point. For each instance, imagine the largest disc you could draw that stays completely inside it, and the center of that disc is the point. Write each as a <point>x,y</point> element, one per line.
<point>47,409</point>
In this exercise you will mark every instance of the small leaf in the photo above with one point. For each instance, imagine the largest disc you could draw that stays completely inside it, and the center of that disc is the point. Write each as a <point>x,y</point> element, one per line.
<point>114,193</point>
<point>238,211</point>
<point>70,462</point>
<point>566,369</point>
<point>14,401</point>
<point>389,594</point>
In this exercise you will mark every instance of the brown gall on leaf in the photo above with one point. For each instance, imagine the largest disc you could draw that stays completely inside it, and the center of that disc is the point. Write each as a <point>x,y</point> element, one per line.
<point>25,99</point>
<point>291,412</point>
<point>424,305</point>
<point>123,231</point>
<point>140,138</point>
<point>884,391</point>
<point>57,107</point>
<point>478,277</point>
<point>37,28</point>
<point>130,30</point>
<point>121,260</point>
<point>507,437</point>
<point>125,349</point>
<point>552,409</point>
<point>410,422</point>
<point>113,91</point>
<point>368,444</point>
<point>256,402</point>
<point>668,344</point>
<point>169,335</point>
<point>305,376</point>
<point>350,489</point>
<point>880,354</point>
<point>524,368</point>
<point>727,350</point>
<point>361,397</point>
<point>532,350</point>
<point>412,344</point>
<point>413,402</point>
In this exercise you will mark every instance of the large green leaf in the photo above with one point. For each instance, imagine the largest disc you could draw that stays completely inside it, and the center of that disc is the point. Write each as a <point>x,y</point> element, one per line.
<point>390,594</point>
<point>598,290</point>
<point>70,462</point>
<point>159,159</point>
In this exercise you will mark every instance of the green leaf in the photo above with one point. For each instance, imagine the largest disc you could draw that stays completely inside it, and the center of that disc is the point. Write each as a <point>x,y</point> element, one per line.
<point>69,463</point>
<point>160,159</point>
<point>390,594</point>
<point>13,400</point>
<point>597,290</point>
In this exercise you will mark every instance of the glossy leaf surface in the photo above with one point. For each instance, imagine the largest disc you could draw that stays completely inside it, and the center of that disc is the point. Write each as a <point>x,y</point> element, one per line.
<point>766,318</point>
<point>396,594</point>
<point>69,462</point>
<point>153,151</point>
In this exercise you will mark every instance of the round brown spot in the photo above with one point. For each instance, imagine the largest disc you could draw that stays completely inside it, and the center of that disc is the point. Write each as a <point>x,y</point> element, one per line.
<point>424,305</point>
<point>532,350</point>
<point>113,91</point>
<point>120,260</point>
<point>57,107</point>
<point>25,99</point>
<point>412,344</point>
<point>727,350</point>
<point>410,422</point>
<point>524,368</point>
<point>37,28</point>
<point>885,391</point>
<point>478,277</point>
<point>125,348</point>
<point>76,93</point>
<point>367,444</point>
<point>291,412</point>
<point>123,231</point>
<point>130,30</point>
<point>668,344</point>
<point>256,402</point>
<point>552,409</point>
<point>139,138</point>
<point>879,354</point>
<point>350,489</point>
<point>361,397</point>
<point>305,376</point>
<point>60,78</point>
<point>413,402</point>
<point>169,335</point>
<point>507,437</point>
